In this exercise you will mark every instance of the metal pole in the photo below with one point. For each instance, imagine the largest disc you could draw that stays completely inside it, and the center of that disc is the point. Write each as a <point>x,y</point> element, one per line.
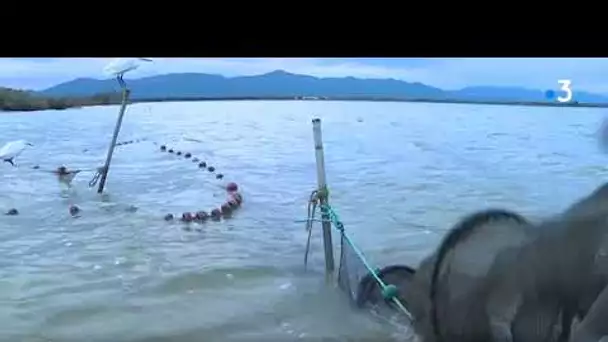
<point>322,190</point>
<point>106,168</point>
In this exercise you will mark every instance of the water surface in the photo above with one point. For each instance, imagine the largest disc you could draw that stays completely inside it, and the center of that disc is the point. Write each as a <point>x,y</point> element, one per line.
<point>400,175</point>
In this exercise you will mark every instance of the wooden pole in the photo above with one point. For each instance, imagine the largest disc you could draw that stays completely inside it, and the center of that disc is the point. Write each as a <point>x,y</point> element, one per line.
<point>322,191</point>
<point>123,106</point>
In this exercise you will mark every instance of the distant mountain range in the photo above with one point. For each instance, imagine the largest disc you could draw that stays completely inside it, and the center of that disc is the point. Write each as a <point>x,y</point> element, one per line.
<point>283,84</point>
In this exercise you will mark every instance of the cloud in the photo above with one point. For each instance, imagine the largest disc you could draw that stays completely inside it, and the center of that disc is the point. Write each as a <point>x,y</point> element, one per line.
<point>451,73</point>
<point>543,73</point>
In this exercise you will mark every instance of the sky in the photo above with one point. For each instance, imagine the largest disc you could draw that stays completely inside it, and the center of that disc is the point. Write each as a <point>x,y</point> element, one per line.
<point>590,74</point>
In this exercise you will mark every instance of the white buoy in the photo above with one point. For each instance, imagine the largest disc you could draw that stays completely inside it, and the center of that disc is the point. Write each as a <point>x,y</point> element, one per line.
<point>12,150</point>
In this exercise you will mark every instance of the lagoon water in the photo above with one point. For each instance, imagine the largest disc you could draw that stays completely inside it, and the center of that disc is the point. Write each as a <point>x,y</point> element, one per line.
<point>400,175</point>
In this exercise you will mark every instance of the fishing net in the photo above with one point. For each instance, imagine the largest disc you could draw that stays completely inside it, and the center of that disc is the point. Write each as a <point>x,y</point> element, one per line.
<point>483,249</point>
<point>467,256</point>
<point>538,278</point>
<point>557,267</point>
<point>362,287</point>
<point>350,270</point>
<point>531,278</point>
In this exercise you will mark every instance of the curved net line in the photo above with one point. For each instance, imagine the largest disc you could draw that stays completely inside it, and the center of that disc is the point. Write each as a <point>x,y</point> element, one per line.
<point>532,278</point>
<point>464,270</point>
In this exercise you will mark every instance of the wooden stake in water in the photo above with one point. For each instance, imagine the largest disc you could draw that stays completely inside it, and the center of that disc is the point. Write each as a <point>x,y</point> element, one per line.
<point>322,189</point>
<point>121,114</point>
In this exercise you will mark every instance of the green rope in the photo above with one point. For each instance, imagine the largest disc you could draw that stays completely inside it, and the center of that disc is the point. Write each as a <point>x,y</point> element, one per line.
<point>388,291</point>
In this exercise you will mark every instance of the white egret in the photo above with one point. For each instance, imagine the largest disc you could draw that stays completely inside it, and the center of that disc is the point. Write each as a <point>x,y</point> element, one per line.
<point>119,66</point>
<point>12,149</point>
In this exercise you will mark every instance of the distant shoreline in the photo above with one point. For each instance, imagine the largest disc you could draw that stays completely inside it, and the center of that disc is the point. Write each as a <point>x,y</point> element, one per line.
<point>376,99</point>
<point>33,103</point>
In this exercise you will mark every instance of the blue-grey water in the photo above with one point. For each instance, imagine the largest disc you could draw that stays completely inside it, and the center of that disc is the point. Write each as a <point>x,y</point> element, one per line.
<point>400,175</point>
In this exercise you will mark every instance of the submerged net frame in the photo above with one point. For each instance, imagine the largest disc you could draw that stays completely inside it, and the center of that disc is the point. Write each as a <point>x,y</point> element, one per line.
<point>329,218</point>
<point>357,278</point>
<point>451,287</point>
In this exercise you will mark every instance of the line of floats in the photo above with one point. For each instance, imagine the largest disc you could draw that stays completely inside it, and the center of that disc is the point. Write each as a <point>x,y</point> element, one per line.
<point>234,198</point>
<point>225,210</point>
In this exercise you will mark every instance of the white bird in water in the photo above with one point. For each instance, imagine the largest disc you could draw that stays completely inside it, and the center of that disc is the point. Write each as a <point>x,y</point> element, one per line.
<point>119,66</point>
<point>12,149</point>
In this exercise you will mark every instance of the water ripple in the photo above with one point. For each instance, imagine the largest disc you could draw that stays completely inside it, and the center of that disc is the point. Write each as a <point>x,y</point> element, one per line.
<point>400,175</point>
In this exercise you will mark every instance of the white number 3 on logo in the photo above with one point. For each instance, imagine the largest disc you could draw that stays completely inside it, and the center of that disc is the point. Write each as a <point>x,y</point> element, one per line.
<point>566,87</point>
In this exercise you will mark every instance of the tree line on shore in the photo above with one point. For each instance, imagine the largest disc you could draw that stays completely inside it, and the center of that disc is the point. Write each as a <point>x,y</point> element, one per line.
<point>23,100</point>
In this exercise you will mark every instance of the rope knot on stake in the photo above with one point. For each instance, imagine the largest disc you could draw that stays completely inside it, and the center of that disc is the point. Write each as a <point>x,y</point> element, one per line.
<point>322,194</point>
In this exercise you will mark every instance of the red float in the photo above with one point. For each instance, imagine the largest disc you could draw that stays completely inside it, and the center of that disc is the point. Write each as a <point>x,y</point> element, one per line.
<point>234,199</point>
<point>232,187</point>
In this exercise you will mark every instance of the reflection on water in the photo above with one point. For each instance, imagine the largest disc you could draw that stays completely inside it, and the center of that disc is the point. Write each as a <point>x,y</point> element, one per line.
<point>400,175</point>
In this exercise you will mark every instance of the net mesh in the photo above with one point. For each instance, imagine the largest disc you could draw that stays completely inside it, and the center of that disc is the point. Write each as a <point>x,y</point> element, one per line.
<point>545,265</point>
<point>363,289</point>
<point>494,257</point>
<point>351,270</point>
<point>465,267</point>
